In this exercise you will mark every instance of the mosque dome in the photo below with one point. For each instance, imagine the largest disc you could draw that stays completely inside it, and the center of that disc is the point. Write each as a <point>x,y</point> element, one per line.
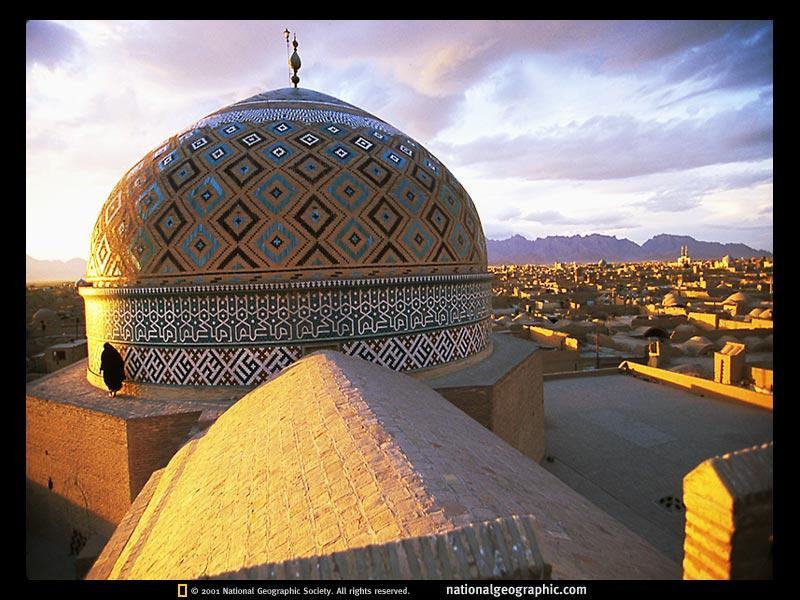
<point>284,221</point>
<point>287,185</point>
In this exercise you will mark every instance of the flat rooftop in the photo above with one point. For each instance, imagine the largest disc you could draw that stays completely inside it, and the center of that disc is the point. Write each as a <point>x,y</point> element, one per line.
<point>626,444</point>
<point>507,352</point>
<point>70,386</point>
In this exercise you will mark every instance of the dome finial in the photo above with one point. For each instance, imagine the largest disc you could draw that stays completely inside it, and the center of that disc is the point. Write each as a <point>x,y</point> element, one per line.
<point>294,60</point>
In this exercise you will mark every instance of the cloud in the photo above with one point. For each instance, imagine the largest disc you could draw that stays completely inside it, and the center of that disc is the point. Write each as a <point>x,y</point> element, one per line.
<point>742,57</point>
<point>690,194</point>
<point>622,146</point>
<point>50,44</point>
<point>138,82</point>
<point>679,200</point>
<point>767,227</point>
<point>552,217</point>
<point>510,214</point>
<point>450,56</point>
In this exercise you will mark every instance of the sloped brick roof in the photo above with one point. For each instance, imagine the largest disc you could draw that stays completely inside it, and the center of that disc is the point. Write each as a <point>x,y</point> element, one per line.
<point>337,453</point>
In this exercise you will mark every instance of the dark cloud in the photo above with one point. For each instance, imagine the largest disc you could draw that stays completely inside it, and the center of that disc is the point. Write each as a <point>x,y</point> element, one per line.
<point>742,57</point>
<point>614,147</point>
<point>723,54</point>
<point>50,44</point>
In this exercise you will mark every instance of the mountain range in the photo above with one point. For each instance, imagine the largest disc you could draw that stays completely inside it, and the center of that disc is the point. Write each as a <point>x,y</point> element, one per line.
<point>516,249</point>
<point>54,270</point>
<point>594,247</point>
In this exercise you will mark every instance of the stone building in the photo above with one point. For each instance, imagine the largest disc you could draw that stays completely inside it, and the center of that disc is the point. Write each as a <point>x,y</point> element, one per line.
<point>59,355</point>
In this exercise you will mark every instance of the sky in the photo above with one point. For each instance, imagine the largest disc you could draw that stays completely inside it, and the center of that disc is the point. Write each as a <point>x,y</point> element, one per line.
<point>623,128</point>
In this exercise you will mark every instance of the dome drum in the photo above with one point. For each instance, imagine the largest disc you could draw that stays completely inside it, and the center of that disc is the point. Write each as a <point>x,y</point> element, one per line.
<point>242,334</point>
<point>287,220</point>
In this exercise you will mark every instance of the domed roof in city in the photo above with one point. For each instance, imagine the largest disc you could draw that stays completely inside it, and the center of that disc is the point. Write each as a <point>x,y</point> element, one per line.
<point>44,314</point>
<point>697,345</point>
<point>737,297</point>
<point>286,185</point>
<point>672,299</point>
<point>757,344</point>
<point>683,332</point>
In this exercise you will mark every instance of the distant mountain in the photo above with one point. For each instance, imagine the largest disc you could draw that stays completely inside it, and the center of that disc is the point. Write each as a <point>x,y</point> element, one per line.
<point>54,270</point>
<point>663,247</point>
<point>594,247</point>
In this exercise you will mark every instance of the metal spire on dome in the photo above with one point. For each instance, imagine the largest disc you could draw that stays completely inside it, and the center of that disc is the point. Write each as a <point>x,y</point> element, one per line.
<point>294,59</point>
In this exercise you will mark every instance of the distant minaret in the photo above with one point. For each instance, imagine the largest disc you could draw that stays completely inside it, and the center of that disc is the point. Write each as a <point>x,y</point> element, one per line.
<point>684,259</point>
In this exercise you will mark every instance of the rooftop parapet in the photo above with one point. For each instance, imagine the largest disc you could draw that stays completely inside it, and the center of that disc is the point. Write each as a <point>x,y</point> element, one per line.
<point>728,503</point>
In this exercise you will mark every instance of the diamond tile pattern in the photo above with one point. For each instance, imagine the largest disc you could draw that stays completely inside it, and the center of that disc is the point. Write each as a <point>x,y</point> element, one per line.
<point>344,187</point>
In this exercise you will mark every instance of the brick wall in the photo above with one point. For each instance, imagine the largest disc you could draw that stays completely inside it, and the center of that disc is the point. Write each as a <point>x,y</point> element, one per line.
<point>152,441</point>
<point>84,467</point>
<point>476,401</point>
<point>76,470</point>
<point>762,377</point>
<point>700,386</point>
<point>704,319</point>
<point>547,337</point>
<point>754,324</point>
<point>512,408</point>
<point>559,361</point>
<point>518,407</point>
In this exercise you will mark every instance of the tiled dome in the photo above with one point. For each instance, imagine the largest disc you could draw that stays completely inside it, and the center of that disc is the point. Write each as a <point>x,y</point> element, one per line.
<point>281,224</point>
<point>287,185</point>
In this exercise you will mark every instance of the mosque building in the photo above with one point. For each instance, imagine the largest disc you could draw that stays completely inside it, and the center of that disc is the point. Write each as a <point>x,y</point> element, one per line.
<point>300,294</point>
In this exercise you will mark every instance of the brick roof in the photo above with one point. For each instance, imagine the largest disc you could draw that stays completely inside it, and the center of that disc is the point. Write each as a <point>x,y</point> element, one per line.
<point>337,453</point>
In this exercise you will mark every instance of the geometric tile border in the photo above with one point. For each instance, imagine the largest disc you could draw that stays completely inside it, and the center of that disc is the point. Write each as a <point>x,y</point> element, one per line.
<point>249,366</point>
